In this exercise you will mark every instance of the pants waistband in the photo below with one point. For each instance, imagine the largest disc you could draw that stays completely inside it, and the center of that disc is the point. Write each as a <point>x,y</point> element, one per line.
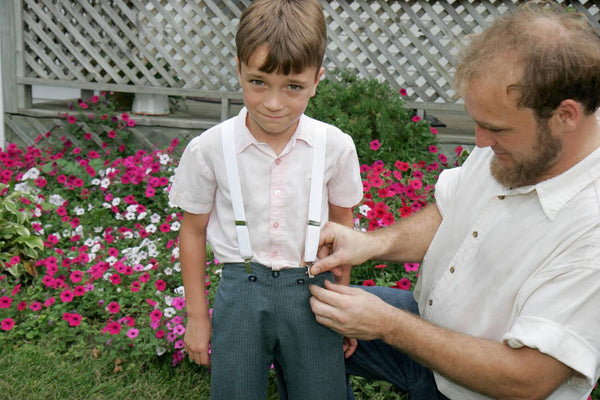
<point>262,270</point>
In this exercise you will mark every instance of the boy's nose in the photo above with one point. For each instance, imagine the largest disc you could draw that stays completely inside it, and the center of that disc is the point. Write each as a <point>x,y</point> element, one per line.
<point>273,101</point>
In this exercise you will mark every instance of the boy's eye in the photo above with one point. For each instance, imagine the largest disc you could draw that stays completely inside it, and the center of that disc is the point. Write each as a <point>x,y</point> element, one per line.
<point>256,82</point>
<point>294,87</point>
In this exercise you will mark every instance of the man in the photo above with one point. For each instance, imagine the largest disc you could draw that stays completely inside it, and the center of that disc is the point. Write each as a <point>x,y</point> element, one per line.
<point>509,288</point>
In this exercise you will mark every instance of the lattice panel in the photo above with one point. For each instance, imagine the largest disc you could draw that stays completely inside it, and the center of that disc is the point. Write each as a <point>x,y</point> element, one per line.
<point>190,43</point>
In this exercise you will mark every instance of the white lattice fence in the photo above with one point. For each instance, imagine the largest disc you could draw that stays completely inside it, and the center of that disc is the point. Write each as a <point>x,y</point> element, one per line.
<point>187,46</point>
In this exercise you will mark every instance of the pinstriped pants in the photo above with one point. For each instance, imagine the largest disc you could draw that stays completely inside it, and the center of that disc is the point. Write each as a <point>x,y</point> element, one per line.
<point>265,317</point>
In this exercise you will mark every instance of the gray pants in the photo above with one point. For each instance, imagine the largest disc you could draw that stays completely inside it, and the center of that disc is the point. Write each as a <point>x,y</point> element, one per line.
<point>264,317</point>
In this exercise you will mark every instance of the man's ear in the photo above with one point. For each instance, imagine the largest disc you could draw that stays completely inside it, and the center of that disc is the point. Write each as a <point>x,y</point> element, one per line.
<point>568,114</point>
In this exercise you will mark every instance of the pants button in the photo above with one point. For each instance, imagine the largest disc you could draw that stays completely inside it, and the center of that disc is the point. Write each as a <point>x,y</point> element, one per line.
<point>274,274</point>
<point>252,278</point>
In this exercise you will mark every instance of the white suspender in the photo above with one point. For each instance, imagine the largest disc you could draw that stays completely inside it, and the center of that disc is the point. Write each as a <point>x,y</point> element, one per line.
<point>313,227</point>
<point>235,189</point>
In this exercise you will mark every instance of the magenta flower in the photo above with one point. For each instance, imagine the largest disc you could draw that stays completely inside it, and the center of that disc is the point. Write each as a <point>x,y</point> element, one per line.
<point>112,327</point>
<point>156,315</point>
<point>132,333</point>
<point>5,302</point>
<point>113,307</point>
<point>72,319</point>
<point>7,324</point>
<point>403,92</point>
<point>160,285</point>
<point>66,296</point>
<point>375,144</point>
<point>403,284</point>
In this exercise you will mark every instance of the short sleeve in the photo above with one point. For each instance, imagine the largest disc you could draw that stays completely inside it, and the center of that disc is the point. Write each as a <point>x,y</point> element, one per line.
<point>345,186</point>
<point>194,183</point>
<point>557,309</point>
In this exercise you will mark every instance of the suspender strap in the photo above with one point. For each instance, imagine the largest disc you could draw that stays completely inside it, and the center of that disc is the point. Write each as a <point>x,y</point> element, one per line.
<point>313,227</point>
<point>235,189</point>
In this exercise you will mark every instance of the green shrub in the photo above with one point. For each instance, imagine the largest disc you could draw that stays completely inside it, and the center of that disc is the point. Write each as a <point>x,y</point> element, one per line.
<point>374,114</point>
<point>19,247</point>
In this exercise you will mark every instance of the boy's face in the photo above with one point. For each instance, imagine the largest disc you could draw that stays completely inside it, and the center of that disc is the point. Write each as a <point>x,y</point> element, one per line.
<point>274,101</point>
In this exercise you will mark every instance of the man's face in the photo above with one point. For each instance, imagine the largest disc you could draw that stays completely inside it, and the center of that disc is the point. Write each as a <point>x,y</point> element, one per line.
<point>524,149</point>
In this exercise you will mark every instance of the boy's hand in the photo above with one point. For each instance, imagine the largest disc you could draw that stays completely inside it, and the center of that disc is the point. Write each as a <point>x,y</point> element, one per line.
<point>197,340</point>
<point>350,346</point>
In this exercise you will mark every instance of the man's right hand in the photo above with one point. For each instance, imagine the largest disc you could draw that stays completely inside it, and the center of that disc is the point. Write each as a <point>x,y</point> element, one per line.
<point>340,245</point>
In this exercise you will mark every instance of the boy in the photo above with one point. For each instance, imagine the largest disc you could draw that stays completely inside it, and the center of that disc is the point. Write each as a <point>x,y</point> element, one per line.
<point>255,215</point>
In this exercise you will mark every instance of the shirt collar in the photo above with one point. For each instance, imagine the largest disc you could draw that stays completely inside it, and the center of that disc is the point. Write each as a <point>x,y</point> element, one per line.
<point>555,192</point>
<point>304,131</point>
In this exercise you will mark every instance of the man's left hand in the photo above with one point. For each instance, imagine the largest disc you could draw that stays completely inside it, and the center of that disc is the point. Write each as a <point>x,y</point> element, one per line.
<point>350,311</point>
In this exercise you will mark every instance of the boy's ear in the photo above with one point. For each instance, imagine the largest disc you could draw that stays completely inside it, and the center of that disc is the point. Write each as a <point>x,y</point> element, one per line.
<point>318,79</point>
<point>238,68</point>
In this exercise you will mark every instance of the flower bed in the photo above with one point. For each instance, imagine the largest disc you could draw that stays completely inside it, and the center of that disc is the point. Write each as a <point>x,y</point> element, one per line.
<point>100,271</point>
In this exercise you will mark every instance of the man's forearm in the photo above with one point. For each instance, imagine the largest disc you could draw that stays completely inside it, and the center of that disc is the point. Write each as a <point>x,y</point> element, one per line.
<point>408,239</point>
<point>484,366</point>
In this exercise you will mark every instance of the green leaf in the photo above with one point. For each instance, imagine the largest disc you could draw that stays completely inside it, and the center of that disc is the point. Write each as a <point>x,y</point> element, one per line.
<point>32,242</point>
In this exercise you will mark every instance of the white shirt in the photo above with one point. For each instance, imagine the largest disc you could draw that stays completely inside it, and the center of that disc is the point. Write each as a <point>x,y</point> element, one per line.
<point>519,266</point>
<point>274,188</point>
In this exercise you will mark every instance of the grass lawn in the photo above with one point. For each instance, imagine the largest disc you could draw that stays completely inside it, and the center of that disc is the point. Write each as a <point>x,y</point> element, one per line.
<point>34,372</point>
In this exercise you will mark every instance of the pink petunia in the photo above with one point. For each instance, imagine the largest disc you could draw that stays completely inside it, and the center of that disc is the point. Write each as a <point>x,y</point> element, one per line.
<point>112,327</point>
<point>403,92</point>
<point>113,307</point>
<point>66,296</point>
<point>403,284</point>
<point>160,285</point>
<point>375,144</point>
<point>7,324</point>
<point>132,333</point>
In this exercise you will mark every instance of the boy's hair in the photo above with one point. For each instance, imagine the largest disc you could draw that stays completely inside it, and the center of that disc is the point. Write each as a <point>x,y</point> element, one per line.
<point>558,51</point>
<point>293,31</point>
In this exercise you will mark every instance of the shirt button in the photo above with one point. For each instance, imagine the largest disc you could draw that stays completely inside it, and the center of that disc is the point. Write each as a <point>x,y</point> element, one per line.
<point>475,234</point>
<point>430,302</point>
<point>274,254</point>
<point>278,161</point>
<point>275,225</point>
<point>452,269</point>
<point>276,193</point>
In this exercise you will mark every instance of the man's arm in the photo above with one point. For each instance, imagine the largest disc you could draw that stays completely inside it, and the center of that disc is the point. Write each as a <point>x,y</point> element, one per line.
<point>485,366</point>
<point>406,240</point>
<point>342,216</point>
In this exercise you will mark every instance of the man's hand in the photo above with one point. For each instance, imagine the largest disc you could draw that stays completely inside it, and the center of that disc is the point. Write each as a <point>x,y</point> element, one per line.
<point>340,245</point>
<point>350,311</point>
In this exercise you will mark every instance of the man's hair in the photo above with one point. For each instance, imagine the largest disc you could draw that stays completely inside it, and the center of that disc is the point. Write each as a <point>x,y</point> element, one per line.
<point>558,51</point>
<point>293,31</point>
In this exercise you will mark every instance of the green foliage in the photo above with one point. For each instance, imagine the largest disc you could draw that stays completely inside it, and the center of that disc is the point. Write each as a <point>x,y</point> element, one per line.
<point>19,247</point>
<point>372,113</point>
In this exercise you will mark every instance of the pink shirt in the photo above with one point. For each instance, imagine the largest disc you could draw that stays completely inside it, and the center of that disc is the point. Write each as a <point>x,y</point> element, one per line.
<point>274,187</point>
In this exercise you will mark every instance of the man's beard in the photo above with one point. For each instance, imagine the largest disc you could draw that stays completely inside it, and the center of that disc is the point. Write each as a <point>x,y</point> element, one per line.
<point>528,172</point>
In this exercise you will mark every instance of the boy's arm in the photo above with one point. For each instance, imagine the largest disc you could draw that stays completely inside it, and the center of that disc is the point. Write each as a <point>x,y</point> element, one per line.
<point>342,216</point>
<point>192,252</point>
